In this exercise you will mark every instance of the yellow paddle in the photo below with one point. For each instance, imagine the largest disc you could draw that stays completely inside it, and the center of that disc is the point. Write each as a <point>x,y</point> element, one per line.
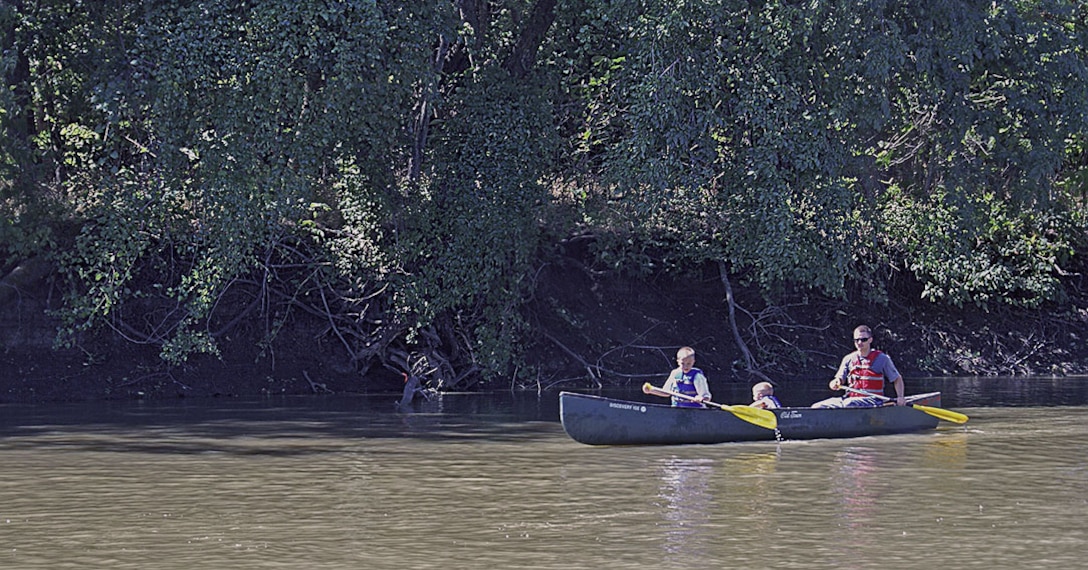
<point>760,417</point>
<point>946,415</point>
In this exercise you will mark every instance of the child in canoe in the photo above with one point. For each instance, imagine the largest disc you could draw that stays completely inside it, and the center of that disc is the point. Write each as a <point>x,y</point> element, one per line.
<point>763,396</point>
<point>687,380</point>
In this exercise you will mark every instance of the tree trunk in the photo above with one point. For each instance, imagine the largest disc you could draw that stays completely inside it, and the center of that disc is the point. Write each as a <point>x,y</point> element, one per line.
<point>23,278</point>
<point>532,35</point>
<point>749,361</point>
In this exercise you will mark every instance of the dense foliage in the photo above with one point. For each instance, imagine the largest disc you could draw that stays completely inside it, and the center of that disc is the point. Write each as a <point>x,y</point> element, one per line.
<point>401,169</point>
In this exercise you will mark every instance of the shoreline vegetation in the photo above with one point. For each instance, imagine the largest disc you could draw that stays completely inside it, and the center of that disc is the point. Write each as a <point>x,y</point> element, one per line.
<point>615,331</point>
<point>298,196</point>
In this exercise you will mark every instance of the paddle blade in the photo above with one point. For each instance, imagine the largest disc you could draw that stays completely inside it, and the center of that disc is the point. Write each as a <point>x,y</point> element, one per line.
<point>758,416</point>
<point>946,415</point>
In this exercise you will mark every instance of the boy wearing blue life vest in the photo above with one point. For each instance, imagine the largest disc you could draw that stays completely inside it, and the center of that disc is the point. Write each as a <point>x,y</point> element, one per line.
<point>687,380</point>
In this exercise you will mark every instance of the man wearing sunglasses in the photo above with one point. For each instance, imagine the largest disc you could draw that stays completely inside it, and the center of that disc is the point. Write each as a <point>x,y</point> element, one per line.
<point>864,369</point>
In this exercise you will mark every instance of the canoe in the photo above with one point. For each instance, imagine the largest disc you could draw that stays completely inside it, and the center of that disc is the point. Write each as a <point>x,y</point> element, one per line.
<point>597,420</point>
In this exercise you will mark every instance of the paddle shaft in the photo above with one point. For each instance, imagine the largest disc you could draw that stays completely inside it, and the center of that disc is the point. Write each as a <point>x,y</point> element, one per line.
<point>866,392</point>
<point>760,417</point>
<point>664,393</point>
<point>940,413</point>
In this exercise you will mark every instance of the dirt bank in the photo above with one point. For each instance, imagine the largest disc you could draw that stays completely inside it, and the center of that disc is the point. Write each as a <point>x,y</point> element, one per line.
<point>587,329</point>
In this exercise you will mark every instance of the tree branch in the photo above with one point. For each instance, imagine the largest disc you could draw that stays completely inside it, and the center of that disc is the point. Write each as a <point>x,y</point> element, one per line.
<point>749,361</point>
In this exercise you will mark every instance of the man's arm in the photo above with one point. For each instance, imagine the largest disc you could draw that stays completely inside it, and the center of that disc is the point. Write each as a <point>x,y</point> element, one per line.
<point>889,370</point>
<point>839,379</point>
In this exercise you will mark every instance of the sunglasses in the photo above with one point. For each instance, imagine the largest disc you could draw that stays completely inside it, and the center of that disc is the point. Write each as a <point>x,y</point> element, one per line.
<point>864,339</point>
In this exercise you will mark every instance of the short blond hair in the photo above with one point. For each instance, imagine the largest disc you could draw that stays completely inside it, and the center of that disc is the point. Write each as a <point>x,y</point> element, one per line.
<point>763,388</point>
<point>685,352</point>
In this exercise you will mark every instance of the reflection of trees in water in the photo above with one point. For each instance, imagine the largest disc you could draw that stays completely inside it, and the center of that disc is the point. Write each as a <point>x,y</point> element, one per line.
<point>1007,391</point>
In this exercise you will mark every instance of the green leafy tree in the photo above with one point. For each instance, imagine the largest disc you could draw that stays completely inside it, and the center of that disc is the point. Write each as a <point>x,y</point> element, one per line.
<point>397,170</point>
<point>783,138</point>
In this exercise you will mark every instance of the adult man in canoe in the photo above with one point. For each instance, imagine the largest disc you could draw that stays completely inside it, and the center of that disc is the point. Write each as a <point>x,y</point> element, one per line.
<point>687,380</point>
<point>864,369</point>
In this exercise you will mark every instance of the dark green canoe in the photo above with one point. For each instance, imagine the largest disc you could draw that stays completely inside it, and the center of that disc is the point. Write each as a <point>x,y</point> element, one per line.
<point>595,420</point>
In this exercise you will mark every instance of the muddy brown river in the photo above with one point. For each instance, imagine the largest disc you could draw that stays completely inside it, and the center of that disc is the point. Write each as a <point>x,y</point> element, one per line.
<point>492,481</point>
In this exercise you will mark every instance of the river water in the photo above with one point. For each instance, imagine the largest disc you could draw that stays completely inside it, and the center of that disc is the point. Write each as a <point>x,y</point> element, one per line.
<point>492,481</point>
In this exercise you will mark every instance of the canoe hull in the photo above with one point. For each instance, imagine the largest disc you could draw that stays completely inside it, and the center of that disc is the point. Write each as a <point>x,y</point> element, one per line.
<point>596,420</point>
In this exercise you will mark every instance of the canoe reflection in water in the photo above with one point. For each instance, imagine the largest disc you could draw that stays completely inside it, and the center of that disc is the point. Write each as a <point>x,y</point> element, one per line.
<point>854,480</point>
<point>709,498</point>
<point>695,491</point>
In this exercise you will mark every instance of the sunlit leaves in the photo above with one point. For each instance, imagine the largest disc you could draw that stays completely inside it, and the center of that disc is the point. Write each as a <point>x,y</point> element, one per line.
<point>812,112</point>
<point>237,116</point>
<point>810,144</point>
<point>978,251</point>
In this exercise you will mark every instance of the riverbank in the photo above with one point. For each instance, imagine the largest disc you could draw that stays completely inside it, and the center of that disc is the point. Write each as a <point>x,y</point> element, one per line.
<point>588,330</point>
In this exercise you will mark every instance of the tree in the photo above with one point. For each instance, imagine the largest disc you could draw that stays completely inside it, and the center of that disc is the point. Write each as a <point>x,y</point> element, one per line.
<point>398,170</point>
<point>784,140</point>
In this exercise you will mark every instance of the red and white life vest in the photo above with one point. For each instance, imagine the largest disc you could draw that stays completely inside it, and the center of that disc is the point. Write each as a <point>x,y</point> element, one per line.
<point>863,377</point>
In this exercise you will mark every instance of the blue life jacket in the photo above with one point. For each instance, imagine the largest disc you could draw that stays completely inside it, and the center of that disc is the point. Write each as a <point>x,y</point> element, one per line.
<point>685,384</point>
<point>769,402</point>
